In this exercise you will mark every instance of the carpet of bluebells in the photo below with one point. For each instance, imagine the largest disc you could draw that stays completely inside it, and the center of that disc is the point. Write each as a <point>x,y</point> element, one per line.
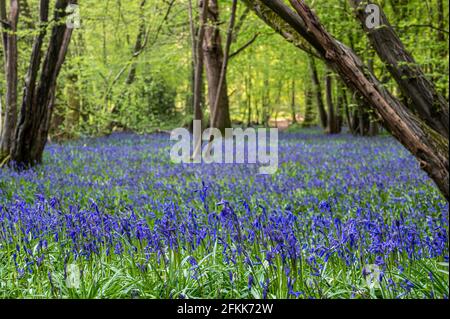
<point>112,217</point>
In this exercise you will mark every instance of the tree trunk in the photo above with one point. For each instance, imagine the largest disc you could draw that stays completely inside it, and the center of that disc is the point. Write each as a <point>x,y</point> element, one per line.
<point>363,117</point>
<point>341,101</point>
<point>348,117</point>
<point>9,37</point>
<point>38,100</point>
<point>423,98</point>
<point>441,38</point>
<point>193,31</point>
<point>293,103</point>
<point>429,147</point>
<point>309,109</point>
<point>332,120</point>
<point>278,102</point>
<point>199,60</point>
<point>266,101</point>
<point>248,93</point>
<point>440,20</point>
<point>214,58</point>
<point>373,127</point>
<point>318,92</point>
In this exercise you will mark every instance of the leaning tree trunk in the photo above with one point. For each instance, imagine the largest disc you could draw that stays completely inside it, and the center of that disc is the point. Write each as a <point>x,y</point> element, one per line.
<point>38,97</point>
<point>217,91</point>
<point>428,146</point>
<point>9,39</point>
<point>423,97</point>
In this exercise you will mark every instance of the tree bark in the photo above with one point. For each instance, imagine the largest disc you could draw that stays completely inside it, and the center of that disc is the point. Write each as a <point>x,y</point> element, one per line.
<point>348,116</point>
<point>318,92</point>
<point>341,104</point>
<point>293,103</point>
<point>422,96</point>
<point>199,61</point>
<point>363,117</point>
<point>9,39</point>
<point>214,58</point>
<point>428,146</point>
<point>309,109</point>
<point>38,100</point>
<point>266,101</point>
<point>193,31</point>
<point>248,93</point>
<point>332,120</point>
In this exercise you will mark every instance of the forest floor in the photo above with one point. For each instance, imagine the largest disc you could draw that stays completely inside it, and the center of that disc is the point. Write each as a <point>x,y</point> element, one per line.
<point>112,217</point>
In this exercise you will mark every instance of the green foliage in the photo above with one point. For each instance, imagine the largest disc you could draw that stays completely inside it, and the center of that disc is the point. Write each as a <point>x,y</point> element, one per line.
<point>93,89</point>
<point>157,96</point>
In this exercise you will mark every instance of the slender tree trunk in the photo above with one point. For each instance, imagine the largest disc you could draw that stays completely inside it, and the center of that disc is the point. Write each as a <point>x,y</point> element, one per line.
<point>248,87</point>
<point>240,23</point>
<point>266,101</point>
<point>441,38</point>
<point>199,60</point>
<point>9,37</point>
<point>278,101</point>
<point>309,109</point>
<point>363,118</point>
<point>72,118</point>
<point>138,46</point>
<point>373,129</point>
<point>348,116</point>
<point>332,121</point>
<point>293,103</point>
<point>258,110</point>
<point>440,20</point>
<point>193,31</point>
<point>318,92</point>
<point>340,106</point>
<point>373,119</point>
